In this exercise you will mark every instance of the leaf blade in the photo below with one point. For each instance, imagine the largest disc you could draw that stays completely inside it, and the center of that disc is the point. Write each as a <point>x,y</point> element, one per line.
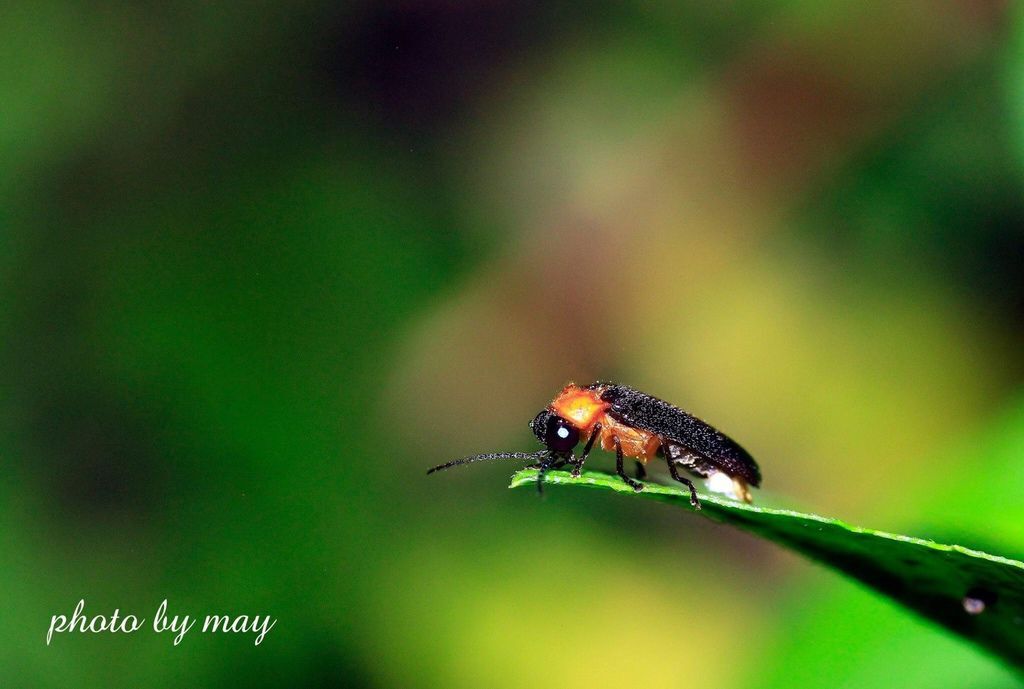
<point>928,577</point>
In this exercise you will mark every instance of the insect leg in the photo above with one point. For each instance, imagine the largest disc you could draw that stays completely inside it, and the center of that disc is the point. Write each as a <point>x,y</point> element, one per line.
<point>618,467</point>
<point>548,461</point>
<point>578,464</point>
<point>544,466</point>
<point>682,479</point>
<point>641,472</point>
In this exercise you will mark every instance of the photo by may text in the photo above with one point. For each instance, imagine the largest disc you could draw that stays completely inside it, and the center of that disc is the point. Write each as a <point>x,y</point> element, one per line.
<point>177,625</point>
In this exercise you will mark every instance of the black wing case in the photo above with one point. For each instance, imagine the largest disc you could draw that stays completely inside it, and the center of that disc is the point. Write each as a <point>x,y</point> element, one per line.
<point>640,410</point>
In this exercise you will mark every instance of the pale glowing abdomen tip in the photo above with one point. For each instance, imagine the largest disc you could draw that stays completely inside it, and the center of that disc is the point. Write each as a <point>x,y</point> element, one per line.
<point>719,482</point>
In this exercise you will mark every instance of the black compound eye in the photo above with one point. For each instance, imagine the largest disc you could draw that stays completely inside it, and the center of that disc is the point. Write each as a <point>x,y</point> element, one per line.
<point>560,435</point>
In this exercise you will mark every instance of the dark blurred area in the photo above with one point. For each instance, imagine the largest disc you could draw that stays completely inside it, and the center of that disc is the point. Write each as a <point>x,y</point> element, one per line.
<point>262,265</point>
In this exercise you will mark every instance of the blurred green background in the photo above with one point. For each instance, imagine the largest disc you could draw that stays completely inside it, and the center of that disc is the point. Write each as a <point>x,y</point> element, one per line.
<point>261,265</point>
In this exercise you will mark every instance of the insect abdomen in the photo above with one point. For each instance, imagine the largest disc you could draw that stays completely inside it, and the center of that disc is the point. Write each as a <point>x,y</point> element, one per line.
<point>640,410</point>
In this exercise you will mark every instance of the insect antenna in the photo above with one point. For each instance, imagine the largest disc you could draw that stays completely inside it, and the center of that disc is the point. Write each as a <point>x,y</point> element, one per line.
<point>540,455</point>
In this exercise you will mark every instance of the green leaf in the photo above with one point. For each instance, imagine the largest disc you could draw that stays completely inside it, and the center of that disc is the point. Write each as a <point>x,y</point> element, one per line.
<point>932,579</point>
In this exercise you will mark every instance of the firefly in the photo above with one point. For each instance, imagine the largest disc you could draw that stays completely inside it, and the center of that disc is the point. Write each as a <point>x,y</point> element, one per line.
<point>633,424</point>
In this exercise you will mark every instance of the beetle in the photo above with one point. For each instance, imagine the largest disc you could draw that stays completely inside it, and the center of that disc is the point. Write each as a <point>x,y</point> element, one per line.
<point>633,424</point>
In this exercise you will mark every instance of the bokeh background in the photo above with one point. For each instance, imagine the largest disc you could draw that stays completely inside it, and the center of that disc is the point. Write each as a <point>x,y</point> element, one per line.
<point>262,264</point>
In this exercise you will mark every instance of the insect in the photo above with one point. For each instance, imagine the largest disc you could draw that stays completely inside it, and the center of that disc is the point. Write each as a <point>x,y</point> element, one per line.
<point>633,424</point>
